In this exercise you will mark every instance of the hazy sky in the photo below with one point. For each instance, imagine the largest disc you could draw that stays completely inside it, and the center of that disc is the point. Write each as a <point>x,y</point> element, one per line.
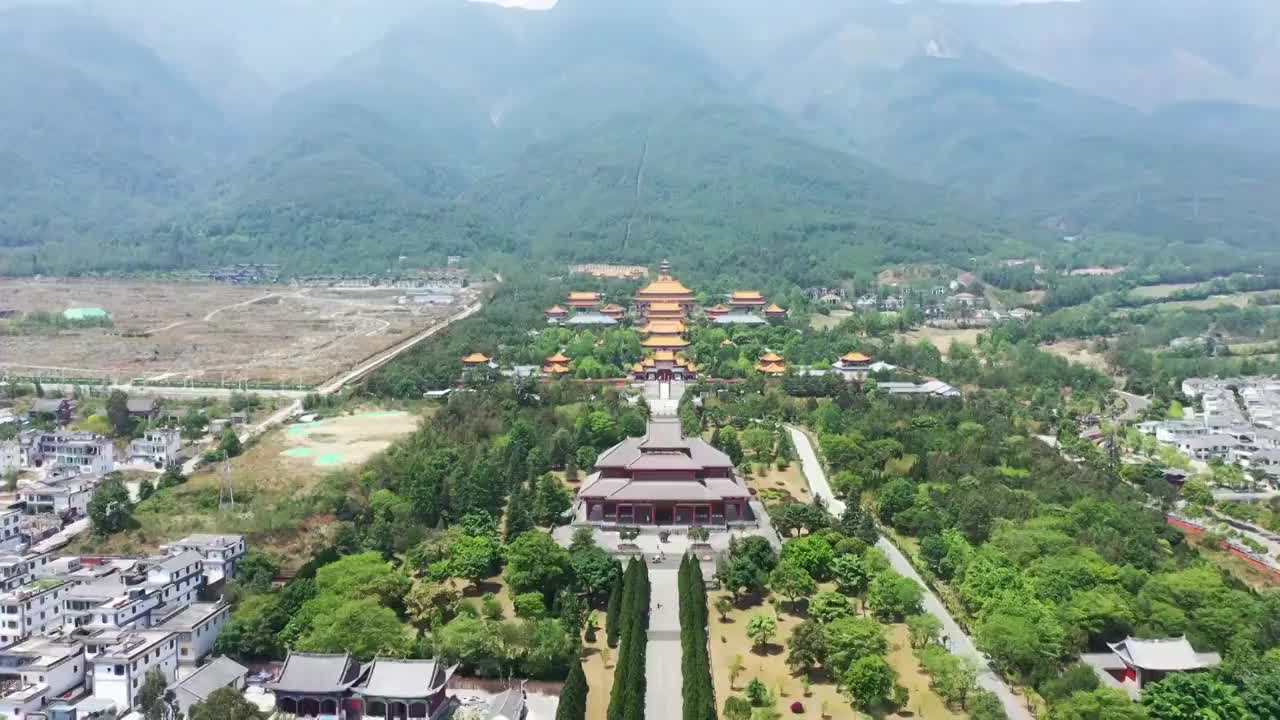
<point>548,4</point>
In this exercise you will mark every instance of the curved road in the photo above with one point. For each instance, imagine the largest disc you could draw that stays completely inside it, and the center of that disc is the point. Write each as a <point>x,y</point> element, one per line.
<point>959,643</point>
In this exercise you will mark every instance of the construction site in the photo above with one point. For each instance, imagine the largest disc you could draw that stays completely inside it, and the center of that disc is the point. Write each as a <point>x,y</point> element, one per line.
<point>210,332</point>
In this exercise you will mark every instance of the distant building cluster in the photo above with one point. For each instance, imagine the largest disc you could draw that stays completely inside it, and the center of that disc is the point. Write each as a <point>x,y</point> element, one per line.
<point>1239,422</point>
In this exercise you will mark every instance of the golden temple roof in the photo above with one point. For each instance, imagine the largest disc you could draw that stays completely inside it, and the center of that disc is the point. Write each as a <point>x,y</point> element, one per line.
<point>476,358</point>
<point>555,369</point>
<point>557,358</point>
<point>770,358</point>
<point>666,307</point>
<point>717,308</point>
<point>664,327</point>
<point>775,309</point>
<point>664,356</point>
<point>772,368</point>
<point>855,357</point>
<point>584,295</point>
<point>747,295</point>
<point>665,285</point>
<point>555,309</point>
<point>664,341</point>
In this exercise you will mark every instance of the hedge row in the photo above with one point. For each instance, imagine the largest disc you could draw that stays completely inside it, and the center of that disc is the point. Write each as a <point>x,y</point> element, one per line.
<point>695,662</point>
<point>626,701</point>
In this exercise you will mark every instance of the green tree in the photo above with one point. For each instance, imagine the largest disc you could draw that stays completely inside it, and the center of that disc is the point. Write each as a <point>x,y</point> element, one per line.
<point>364,575</point>
<point>585,456</point>
<point>361,627</point>
<point>226,704</point>
<point>851,638</point>
<point>530,605</point>
<point>893,597</point>
<point>573,695</point>
<point>869,681</point>
<point>827,606</point>
<point>110,510</point>
<point>118,413</point>
<point>1197,492</point>
<point>850,574</point>
<point>431,605</point>
<point>250,632</point>
<point>807,647</point>
<point>519,514</point>
<point>550,502</point>
<point>611,621</point>
<point>813,553</point>
<point>737,707</point>
<point>924,630</point>
<point>230,445</point>
<point>1099,704</point>
<point>760,628</point>
<point>536,563</point>
<point>792,581</point>
<point>256,571</point>
<point>155,699</point>
<point>1193,696</point>
<point>474,557</point>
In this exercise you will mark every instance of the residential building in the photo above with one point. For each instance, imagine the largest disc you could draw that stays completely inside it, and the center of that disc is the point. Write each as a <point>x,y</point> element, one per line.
<point>10,530</point>
<point>156,447</point>
<point>89,453</point>
<point>197,626</point>
<point>219,673</point>
<point>664,478</point>
<point>220,553</point>
<point>60,409</point>
<point>143,408</point>
<point>46,670</point>
<point>1214,446</point>
<point>10,457</point>
<point>119,667</point>
<point>63,496</point>
<point>34,609</point>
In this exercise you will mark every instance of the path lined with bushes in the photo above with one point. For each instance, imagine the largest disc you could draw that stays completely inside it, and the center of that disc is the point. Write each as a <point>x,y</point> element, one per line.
<point>697,692</point>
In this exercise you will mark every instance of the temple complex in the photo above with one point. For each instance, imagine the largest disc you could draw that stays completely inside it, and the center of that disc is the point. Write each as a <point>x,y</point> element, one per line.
<point>664,478</point>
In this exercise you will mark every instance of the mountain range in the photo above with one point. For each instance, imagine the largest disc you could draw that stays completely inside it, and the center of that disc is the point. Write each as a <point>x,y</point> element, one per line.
<point>823,137</point>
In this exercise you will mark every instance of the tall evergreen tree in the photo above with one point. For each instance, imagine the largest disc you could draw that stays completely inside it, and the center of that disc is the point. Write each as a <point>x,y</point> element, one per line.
<point>611,621</point>
<point>519,513</point>
<point>573,697</point>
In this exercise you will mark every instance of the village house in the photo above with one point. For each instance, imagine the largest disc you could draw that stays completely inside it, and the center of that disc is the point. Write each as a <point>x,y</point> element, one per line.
<point>34,609</point>
<point>664,478</point>
<point>119,667</point>
<point>158,448</point>
<point>143,408</point>
<point>39,671</point>
<point>89,453</point>
<point>66,494</point>
<point>10,457</point>
<point>219,554</point>
<point>60,409</point>
<point>197,626</point>
<point>219,673</point>
<point>10,529</point>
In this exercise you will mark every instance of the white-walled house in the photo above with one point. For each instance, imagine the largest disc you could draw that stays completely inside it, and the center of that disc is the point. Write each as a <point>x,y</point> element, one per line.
<point>221,553</point>
<point>197,626</point>
<point>45,668</point>
<point>89,453</point>
<point>157,448</point>
<point>66,495</point>
<point>34,609</point>
<point>10,530</point>
<point>120,667</point>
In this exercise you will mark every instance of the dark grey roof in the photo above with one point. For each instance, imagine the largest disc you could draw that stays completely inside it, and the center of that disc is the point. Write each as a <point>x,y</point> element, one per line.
<point>508,705</point>
<point>316,673</point>
<point>47,405</point>
<point>405,679</point>
<point>739,318</point>
<point>664,435</point>
<point>590,318</point>
<point>219,673</point>
<point>141,405</point>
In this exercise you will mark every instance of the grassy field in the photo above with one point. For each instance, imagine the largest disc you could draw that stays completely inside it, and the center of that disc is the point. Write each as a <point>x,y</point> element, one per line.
<point>818,321</point>
<point>781,485</point>
<point>1240,299</point>
<point>1160,291</point>
<point>1077,351</point>
<point>942,338</point>
<point>729,640</point>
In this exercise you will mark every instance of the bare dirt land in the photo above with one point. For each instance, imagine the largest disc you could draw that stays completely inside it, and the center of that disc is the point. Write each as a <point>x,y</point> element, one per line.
<point>1077,351</point>
<point>818,321</point>
<point>942,338</point>
<point>208,331</point>
<point>346,439</point>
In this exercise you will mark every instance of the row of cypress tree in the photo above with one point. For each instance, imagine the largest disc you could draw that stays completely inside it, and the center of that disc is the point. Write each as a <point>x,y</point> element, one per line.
<point>695,662</point>
<point>573,697</point>
<point>626,701</point>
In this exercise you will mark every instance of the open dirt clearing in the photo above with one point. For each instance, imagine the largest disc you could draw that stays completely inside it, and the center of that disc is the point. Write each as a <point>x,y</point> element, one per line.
<point>818,321</point>
<point>347,439</point>
<point>1077,351</point>
<point>210,332</point>
<point>942,338</point>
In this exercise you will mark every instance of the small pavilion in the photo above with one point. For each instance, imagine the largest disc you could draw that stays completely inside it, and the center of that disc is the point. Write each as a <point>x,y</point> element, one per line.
<point>1133,664</point>
<point>775,313</point>
<point>614,311</point>
<point>556,313</point>
<point>717,310</point>
<point>772,364</point>
<point>556,366</point>
<point>476,360</point>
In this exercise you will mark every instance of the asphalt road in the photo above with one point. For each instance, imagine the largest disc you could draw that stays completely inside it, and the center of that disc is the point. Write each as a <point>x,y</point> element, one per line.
<point>958,643</point>
<point>1137,405</point>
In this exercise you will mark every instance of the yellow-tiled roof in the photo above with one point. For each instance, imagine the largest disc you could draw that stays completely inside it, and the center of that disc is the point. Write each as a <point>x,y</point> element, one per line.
<point>775,309</point>
<point>717,308</point>
<point>476,358</point>
<point>555,369</point>
<point>664,341</point>
<point>665,285</point>
<point>770,358</point>
<point>664,327</point>
<point>666,307</point>
<point>664,356</point>
<point>557,358</point>
<point>854,357</point>
<point>555,309</point>
<point>584,296</point>
<point>747,295</point>
<point>772,368</point>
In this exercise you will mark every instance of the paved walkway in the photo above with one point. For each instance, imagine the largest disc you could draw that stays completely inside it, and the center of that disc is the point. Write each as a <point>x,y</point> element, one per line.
<point>662,698</point>
<point>958,642</point>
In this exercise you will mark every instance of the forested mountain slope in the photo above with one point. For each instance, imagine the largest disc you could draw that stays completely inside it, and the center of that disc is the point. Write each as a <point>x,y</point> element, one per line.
<point>821,138</point>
